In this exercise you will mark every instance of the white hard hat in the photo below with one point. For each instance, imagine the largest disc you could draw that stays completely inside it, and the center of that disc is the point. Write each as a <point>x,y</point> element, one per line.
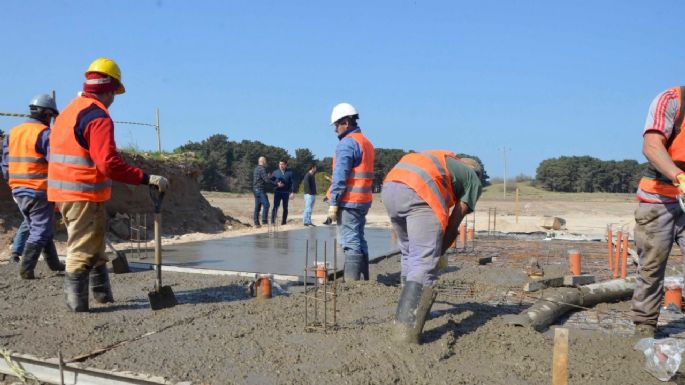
<point>342,110</point>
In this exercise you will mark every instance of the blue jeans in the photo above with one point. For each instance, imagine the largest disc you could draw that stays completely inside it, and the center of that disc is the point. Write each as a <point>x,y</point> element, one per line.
<point>351,224</point>
<point>20,238</point>
<point>278,198</point>
<point>39,214</point>
<point>308,207</point>
<point>260,199</point>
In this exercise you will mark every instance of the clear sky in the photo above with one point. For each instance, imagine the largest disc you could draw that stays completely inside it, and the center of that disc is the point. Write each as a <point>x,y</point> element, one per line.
<point>540,79</point>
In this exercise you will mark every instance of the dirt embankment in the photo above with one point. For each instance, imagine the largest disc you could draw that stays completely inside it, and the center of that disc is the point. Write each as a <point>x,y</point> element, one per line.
<point>184,209</point>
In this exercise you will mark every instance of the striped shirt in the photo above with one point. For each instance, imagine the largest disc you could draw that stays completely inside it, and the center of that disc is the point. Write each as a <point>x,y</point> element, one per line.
<point>661,118</point>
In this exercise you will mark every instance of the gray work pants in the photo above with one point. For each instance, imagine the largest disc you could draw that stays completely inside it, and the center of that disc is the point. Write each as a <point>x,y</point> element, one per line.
<point>418,230</point>
<point>657,226</point>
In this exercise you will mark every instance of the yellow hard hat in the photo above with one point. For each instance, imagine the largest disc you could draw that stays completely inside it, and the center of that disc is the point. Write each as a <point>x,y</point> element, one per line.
<point>107,67</point>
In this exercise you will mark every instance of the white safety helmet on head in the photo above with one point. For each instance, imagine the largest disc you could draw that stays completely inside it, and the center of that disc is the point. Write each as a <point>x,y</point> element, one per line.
<point>342,110</point>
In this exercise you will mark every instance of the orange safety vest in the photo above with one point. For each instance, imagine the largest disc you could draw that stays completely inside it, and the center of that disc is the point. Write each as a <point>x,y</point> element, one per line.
<point>653,181</point>
<point>359,187</point>
<point>427,174</point>
<point>72,175</point>
<point>27,167</point>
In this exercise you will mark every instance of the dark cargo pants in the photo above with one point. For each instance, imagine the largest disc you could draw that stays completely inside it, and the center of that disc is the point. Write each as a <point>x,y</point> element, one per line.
<point>657,226</point>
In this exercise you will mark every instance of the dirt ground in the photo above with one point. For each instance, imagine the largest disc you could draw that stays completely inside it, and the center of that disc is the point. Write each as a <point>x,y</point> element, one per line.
<point>218,334</point>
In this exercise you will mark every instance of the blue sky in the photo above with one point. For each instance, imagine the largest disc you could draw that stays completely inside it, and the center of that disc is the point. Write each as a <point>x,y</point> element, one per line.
<point>539,78</point>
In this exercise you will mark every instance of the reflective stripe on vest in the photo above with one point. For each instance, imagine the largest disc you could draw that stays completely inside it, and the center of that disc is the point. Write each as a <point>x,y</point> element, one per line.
<point>359,183</point>
<point>426,173</point>
<point>72,174</point>
<point>26,166</point>
<point>652,180</point>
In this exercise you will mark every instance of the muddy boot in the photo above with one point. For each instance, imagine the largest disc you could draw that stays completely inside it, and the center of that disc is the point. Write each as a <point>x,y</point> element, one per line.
<point>99,284</point>
<point>29,260</point>
<point>76,291</point>
<point>365,267</point>
<point>412,312</point>
<point>353,267</point>
<point>51,258</point>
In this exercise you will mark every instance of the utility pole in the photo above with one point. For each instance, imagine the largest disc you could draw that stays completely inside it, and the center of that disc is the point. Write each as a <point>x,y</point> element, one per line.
<point>159,140</point>
<point>504,154</point>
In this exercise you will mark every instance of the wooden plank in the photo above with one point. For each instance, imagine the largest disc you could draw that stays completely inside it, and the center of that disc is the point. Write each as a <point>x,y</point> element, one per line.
<point>560,357</point>
<point>578,280</point>
<point>543,284</point>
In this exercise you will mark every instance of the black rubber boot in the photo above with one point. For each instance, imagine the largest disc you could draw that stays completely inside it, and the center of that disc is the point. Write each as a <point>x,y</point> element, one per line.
<point>412,311</point>
<point>353,267</point>
<point>99,284</point>
<point>29,260</point>
<point>76,291</point>
<point>51,258</point>
<point>365,267</point>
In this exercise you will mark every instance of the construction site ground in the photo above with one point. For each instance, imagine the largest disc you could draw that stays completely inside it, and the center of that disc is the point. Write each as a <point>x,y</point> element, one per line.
<point>219,334</point>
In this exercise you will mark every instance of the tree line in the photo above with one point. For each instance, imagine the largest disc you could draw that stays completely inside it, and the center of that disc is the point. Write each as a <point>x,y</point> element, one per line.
<point>228,165</point>
<point>588,174</point>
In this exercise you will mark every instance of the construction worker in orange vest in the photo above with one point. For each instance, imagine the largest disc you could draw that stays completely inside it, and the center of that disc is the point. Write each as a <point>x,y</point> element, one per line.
<point>25,167</point>
<point>418,194</point>
<point>659,219</point>
<point>350,194</point>
<point>84,161</point>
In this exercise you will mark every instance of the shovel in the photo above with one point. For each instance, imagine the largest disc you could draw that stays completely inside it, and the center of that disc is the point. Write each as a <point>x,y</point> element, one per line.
<point>120,263</point>
<point>163,297</point>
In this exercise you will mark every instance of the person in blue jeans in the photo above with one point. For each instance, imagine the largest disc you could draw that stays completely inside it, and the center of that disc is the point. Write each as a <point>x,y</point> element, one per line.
<point>309,183</point>
<point>19,241</point>
<point>283,191</point>
<point>260,179</point>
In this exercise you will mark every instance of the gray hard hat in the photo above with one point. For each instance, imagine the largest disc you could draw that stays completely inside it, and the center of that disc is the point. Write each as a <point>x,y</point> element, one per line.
<point>44,101</point>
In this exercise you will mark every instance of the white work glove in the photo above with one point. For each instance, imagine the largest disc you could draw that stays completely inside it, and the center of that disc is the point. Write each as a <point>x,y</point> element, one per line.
<point>333,213</point>
<point>161,182</point>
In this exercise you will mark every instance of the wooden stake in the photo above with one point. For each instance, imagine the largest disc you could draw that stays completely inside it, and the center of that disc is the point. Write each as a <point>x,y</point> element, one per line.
<point>560,357</point>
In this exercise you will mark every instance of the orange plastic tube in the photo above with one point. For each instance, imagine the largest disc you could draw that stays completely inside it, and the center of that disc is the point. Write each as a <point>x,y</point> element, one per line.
<point>624,257</point>
<point>574,261</point>
<point>619,241</point>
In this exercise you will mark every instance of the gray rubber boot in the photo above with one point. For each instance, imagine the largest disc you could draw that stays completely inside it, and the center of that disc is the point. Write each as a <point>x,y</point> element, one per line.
<point>353,267</point>
<point>412,311</point>
<point>99,284</point>
<point>29,260</point>
<point>76,291</point>
<point>51,258</point>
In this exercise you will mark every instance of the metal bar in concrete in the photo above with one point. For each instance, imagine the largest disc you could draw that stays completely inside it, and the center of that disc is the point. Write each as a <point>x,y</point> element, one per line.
<point>48,370</point>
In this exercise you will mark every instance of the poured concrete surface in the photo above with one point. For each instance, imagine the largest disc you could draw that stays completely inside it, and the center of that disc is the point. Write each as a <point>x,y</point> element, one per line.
<point>281,252</point>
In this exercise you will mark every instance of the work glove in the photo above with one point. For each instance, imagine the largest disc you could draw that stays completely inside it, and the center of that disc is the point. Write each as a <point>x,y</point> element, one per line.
<point>161,182</point>
<point>332,213</point>
<point>680,182</point>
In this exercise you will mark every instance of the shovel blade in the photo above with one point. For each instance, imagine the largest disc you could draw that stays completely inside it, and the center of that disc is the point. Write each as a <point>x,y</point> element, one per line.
<point>120,264</point>
<point>162,298</point>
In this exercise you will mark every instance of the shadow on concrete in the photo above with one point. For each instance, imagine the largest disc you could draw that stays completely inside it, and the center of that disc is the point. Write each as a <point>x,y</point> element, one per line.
<point>389,279</point>
<point>217,294</point>
<point>481,314</point>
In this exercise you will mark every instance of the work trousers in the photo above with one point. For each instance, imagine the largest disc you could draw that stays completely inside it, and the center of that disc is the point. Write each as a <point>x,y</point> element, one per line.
<point>20,238</point>
<point>350,230</point>
<point>419,232</point>
<point>278,198</point>
<point>260,200</point>
<point>308,208</point>
<point>86,227</point>
<point>657,227</point>
<point>39,215</point>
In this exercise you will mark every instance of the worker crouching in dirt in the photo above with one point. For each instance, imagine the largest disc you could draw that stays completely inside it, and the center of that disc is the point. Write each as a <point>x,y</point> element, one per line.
<point>84,160</point>
<point>418,194</point>
<point>350,194</point>
<point>25,167</point>
<point>659,221</point>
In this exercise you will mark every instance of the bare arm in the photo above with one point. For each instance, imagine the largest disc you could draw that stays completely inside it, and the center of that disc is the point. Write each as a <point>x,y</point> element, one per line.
<point>654,148</point>
<point>458,213</point>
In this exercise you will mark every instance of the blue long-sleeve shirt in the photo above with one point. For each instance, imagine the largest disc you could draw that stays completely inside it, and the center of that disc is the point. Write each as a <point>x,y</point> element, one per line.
<point>286,178</point>
<point>42,147</point>
<point>348,155</point>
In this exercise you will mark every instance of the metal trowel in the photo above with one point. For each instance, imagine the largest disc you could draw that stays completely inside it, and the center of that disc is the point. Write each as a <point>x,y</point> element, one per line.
<point>163,297</point>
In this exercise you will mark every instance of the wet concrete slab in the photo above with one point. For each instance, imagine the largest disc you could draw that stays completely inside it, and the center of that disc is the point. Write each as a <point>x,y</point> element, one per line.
<point>281,252</point>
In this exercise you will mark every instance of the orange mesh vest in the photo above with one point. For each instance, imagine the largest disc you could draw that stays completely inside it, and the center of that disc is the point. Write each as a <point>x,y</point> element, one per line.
<point>653,181</point>
<point>360,181</point>
<point>426,173</point>
<point>72,175</point>
<point>27,167</point>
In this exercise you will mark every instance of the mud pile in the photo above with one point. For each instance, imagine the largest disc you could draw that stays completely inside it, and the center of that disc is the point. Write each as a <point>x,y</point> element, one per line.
<point>184,209</point>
